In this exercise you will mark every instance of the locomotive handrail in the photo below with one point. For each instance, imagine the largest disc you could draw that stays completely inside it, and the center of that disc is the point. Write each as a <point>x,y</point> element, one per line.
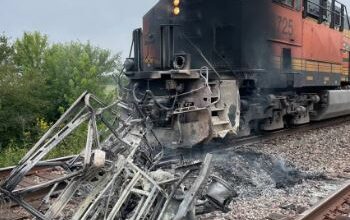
<point>347,16</point>
<point>332,11</point>
<point>325,7</point>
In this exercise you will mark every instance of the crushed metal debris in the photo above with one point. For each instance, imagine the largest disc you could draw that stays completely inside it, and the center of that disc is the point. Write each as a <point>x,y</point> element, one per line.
<point>119,174</point>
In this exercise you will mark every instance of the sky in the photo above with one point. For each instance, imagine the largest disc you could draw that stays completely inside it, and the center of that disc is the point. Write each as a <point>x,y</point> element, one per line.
<point>105,23</point>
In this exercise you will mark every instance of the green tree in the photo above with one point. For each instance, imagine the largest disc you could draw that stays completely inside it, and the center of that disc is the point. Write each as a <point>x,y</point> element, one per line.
<point>30,52</point>
<point>39,81</point>
<point>8,81</point>
<point>21,87</point>
<point>29,58</point>
<point>73,68</point>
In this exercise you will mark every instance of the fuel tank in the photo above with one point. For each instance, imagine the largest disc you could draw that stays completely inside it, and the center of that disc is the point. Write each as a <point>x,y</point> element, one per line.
<point>334,103</point>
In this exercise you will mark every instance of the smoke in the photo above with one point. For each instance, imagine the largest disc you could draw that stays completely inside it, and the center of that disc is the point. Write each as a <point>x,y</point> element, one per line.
<point>247,168</point>
<point>284,175</point>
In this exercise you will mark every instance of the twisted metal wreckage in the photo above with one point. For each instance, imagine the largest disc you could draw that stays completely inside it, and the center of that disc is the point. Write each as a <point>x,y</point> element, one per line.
<point>120,176</point>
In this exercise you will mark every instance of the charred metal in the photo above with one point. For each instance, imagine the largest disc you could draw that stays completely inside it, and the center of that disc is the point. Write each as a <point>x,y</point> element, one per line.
<point>118,176</point>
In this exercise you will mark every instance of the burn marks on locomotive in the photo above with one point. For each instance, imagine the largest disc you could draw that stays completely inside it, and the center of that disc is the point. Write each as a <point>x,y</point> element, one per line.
<point>257,29</point>
<point>231,34</point>
<point>235,34</point>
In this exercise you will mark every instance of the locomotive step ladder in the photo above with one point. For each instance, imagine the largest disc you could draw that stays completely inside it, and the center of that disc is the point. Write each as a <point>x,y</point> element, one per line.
<point>221,124</point>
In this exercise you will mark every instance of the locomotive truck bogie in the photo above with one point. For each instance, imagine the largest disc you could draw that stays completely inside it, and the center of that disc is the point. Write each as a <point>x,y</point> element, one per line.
<point>203,69</point>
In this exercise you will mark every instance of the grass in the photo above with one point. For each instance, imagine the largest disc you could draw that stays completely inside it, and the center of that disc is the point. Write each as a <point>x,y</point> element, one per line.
<point>73,144</point>
<point>10,155</point>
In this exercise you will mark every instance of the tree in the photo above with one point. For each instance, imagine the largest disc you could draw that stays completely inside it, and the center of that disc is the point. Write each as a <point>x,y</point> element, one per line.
<point>39,81</point>
<point>21,87</point>
<point>29,57</point>
<point>73,68</point>
<point>30,52</point>
<point>8,80</point>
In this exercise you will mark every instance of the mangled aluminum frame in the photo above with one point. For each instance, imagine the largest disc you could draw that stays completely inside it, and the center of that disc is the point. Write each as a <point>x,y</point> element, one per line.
<point>120,177</point>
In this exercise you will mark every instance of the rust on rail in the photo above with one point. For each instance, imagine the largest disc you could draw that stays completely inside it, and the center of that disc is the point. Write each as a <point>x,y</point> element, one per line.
<point>334,207</point>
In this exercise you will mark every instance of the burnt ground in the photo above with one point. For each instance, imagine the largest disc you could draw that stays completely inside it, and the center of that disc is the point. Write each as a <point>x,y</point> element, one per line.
<point>267,185</point>
<point>286,175</point>
<point>249,168</point>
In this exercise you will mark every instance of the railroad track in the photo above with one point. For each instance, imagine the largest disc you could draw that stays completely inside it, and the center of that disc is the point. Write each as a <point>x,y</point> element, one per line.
<point>236,143</point>
<point>47,170</point>
<point>4,172</point>
<point>335,207</point>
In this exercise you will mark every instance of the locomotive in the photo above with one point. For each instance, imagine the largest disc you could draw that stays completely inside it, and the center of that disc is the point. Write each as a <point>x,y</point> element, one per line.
<point>202,69</point>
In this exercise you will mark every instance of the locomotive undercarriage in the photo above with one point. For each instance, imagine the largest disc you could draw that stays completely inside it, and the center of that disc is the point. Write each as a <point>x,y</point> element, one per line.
<point>272,111</point>
<point>184,112</point>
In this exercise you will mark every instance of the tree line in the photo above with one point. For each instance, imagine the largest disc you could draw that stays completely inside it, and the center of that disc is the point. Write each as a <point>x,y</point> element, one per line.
<point>40,80</point>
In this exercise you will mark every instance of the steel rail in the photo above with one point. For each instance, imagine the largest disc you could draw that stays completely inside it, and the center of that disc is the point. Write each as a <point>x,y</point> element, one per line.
<point>4,172</point>
<point>238,143</point>
<point>230,143</point>
<point>336,206</point>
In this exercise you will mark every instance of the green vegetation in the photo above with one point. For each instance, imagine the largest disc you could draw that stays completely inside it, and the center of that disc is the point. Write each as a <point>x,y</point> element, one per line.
<point>39,81</point>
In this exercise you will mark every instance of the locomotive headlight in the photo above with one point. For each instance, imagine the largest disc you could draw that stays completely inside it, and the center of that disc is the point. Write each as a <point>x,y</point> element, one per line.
<point>176,11</point>
<point>176,7</point>
<point>179,62</point>
<point>176,3</point>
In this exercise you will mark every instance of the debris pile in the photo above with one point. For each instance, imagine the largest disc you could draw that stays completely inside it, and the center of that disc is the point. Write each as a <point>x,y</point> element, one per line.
<point>273,179</point>
<point>119,174</point>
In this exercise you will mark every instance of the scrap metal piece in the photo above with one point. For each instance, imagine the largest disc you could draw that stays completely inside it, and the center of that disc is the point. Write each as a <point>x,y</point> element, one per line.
<point>191,194</point>
<point>220,193</point>
<point>119,175</point>
<point>103,188</point>
<point>24,204</point>
<point>170,199</point>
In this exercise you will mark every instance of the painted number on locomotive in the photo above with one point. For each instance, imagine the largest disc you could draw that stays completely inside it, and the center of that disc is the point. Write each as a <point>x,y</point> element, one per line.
<point>285,26</point>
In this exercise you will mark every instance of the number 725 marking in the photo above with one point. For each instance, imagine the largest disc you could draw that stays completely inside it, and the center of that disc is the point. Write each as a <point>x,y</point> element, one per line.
<point>285,26</point>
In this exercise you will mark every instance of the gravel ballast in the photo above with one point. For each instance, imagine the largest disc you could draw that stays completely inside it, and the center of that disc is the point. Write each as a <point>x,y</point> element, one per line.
<point>284,176</point>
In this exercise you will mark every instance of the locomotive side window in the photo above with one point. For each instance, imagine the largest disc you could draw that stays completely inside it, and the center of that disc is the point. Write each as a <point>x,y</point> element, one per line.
<point>331,12</point>
<point>296,4</point>
<point>288,2</point>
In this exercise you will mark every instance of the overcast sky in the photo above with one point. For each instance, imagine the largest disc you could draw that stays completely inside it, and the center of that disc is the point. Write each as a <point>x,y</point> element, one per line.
<point>106,23</point>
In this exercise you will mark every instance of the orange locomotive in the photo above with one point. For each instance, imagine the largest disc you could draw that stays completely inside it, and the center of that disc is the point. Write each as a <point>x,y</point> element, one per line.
<point>203,69</point>
<point>313,43</point>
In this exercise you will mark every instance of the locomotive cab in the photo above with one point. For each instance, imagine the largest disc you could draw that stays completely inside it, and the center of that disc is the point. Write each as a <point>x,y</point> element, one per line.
<point>203,69</point>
